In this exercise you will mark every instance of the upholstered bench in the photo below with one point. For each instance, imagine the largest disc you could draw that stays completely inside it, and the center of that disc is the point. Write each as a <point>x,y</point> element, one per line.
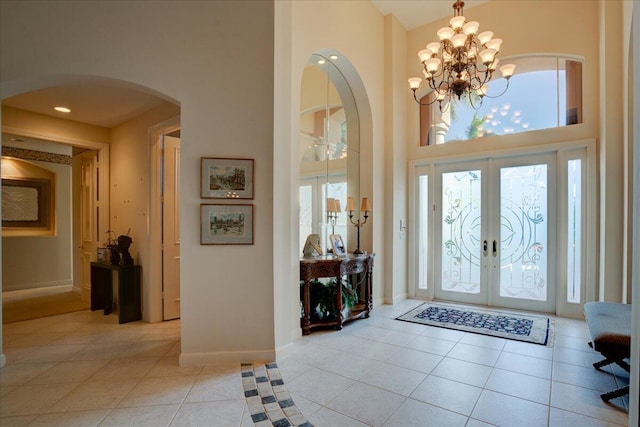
<point>610,329</point>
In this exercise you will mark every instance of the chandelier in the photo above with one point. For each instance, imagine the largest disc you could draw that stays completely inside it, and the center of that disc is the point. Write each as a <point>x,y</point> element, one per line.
<point>461,63</point>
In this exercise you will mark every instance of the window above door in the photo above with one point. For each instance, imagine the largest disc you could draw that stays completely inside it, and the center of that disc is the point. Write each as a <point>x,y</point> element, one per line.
<point>545,93</point>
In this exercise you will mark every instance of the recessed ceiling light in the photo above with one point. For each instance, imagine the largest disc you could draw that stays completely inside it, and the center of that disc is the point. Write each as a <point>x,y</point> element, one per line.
<point>334,57</point>
<point>321,61</point>
<point>62,109</point>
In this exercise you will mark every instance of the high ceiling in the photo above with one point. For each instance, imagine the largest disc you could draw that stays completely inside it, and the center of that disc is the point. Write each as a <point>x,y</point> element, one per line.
<point>110,105</point>
<point>414,13</point>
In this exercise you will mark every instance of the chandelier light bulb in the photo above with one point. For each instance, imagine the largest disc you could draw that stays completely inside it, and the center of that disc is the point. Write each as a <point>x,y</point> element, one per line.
<point>457,22</point>
<point>414,82</point>
<point>424,55</point>
<point>507,70</point>
<point>471,27</point>
<point>445,33</point>
<point>433,47</point>
<point>485,36</point>
<point>432,65</point>
<point>494,44</point>
<point>487,55</point>
<point>458,40</point>
<point>494,64</point>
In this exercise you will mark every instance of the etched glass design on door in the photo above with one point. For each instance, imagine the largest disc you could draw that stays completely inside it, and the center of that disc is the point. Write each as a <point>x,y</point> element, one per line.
<point>461,228</point>
<point>523,232</point>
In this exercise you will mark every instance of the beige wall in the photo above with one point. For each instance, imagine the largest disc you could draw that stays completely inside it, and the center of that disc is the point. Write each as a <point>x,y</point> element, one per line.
<point>129,188</point>
<point>395,147</point>
<point>222,76</point>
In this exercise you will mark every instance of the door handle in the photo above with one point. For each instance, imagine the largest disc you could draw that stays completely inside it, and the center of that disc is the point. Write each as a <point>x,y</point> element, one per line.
<point>495,248</point>
<point>485,247</point>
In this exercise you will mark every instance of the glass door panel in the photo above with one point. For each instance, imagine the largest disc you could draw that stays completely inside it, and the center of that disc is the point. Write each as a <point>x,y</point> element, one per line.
<point>522,258</point>
<point>459,213</point>
<point>523,232</point>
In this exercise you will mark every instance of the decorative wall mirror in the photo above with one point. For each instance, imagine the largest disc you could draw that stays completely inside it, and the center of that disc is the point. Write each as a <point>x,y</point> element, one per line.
<point>329,152</point>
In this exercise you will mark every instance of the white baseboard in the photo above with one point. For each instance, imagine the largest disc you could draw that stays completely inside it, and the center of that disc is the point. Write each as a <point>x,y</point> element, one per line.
<point>400,297</point>
<point>225,358</point>
<point>284,351</point>
<point>24,286</point>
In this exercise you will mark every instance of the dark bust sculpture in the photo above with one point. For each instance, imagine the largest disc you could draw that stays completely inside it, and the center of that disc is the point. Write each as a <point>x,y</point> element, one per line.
<point>124,242</point>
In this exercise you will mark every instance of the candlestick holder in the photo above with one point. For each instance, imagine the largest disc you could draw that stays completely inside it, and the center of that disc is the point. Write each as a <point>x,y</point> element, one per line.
<point>333,209</point>
<point>365,208</point>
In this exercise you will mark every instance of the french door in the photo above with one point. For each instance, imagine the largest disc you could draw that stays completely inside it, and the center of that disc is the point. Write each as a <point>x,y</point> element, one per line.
<point>494,231</point>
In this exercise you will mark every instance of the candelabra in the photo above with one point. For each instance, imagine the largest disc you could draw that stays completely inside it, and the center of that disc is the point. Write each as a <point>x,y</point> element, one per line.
<point>364,207</point>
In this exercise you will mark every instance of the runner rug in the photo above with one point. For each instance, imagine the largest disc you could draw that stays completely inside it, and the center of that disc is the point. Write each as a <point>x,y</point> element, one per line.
<point>509,325</point>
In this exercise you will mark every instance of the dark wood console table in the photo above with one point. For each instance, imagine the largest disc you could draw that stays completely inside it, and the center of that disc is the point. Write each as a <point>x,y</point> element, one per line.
<point>350,268</point>
<point>127,299</point>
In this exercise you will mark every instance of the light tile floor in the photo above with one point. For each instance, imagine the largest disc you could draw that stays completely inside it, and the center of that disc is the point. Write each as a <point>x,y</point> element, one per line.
<point>83,369</point>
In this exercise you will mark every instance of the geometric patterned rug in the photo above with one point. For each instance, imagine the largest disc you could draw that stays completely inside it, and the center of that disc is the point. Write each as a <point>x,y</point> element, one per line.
<point>510,325</point>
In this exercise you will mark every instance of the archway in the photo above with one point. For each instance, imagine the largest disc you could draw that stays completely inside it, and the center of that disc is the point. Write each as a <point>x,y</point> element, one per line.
<point>126,111</point>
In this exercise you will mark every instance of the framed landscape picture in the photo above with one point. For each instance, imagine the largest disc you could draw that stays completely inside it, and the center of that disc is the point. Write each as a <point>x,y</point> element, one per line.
<point>226,178</point>
<point>226,224</point>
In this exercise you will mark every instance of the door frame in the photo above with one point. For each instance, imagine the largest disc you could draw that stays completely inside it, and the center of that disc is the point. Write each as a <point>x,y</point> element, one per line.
<point>103,164</point>
<point>153,299</point>
<point>426,167</point>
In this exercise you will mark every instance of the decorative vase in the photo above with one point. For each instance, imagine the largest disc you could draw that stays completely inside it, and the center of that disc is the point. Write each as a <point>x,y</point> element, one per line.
<point>114,255</point>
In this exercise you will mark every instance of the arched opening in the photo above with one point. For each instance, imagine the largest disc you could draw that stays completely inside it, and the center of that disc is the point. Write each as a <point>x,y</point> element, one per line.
<point>108,127</point>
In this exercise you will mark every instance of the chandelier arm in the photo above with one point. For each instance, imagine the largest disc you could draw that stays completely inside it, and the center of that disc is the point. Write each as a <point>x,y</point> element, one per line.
<point>473,105</point>
<point>443,110</point>
<point>415,97</point>
<point>501,93</point>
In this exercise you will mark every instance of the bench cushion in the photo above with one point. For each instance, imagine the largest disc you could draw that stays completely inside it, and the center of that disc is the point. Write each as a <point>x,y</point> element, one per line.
<point>610,327</point>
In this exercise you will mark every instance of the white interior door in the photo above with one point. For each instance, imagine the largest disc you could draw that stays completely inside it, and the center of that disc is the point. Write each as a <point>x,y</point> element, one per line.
<point>493,222</point>
<point>171,228</point>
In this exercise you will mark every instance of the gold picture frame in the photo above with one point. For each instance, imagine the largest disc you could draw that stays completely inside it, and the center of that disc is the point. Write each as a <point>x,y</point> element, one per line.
<point>226,178</point>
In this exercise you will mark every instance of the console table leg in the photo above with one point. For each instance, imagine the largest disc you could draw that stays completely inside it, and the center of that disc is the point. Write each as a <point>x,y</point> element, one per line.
<point>306,322</point>
<point>339,317</point>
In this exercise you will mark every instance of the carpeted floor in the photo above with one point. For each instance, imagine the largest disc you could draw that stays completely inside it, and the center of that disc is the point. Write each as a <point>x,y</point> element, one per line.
<point>41,302</point>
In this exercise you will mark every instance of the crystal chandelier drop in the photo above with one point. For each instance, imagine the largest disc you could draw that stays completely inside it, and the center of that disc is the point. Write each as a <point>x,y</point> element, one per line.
<point>461,63</point>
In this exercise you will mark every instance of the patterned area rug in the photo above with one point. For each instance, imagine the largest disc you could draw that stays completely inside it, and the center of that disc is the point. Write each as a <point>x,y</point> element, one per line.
<point>509,325</point>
